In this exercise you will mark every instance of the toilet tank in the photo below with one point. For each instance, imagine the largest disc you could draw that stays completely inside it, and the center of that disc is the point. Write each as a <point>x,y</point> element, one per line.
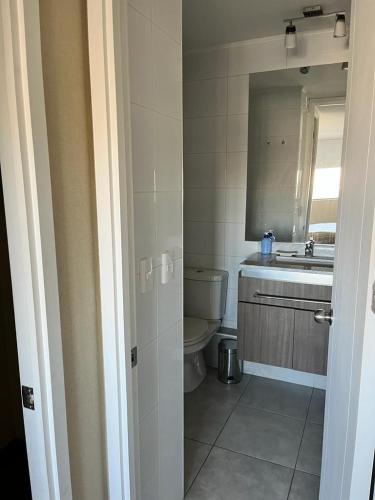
<point>205,293</point>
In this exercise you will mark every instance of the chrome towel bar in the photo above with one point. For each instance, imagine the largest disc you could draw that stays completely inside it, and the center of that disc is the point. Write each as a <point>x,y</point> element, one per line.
<point>258,295</point>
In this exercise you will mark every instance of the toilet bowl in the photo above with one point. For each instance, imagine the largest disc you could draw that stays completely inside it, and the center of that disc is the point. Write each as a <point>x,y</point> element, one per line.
<point>197,334</point>
<point>205,293</point>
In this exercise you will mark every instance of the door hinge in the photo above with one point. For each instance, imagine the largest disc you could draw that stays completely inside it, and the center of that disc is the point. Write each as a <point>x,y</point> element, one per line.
<point>28,397</point>
<point>134,355</point>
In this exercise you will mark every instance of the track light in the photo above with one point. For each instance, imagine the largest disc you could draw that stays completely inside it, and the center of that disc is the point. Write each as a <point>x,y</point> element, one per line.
<point>340,26</point>
<point>290,36</point>
<point>310,13</point>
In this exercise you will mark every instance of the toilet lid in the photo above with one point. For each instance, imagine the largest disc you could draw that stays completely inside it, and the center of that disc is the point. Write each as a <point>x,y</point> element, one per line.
<point>194,329</point>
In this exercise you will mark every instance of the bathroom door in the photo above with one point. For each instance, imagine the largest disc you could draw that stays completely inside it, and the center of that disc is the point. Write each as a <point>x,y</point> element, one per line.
<point>31,243</point>
<point>349,433</point>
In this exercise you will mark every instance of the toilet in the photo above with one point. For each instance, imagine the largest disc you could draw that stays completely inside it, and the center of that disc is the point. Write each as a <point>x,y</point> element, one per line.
<point>205,293</point>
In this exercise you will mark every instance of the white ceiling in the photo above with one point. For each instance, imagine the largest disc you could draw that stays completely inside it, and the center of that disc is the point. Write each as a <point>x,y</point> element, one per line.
<point>213,22</point>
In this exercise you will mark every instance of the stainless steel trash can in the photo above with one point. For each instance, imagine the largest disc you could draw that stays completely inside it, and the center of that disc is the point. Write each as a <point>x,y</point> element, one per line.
<point>229,366</point>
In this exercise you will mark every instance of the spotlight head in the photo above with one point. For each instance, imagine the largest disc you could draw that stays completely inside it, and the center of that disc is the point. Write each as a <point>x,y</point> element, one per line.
<point>290,36</point>
<point>340,26</point>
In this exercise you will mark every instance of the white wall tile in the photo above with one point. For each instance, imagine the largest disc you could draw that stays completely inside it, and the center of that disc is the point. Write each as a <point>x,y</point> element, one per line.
<point>231,306</point>
<point>257,56</point>
<point>147,319</point>
<point>235,205</point>
<point>205,98</point>
<point>204,237</point>
<point>144,226</point>
<point>318,48</point>
<point>142,120</point>
<point>237,132</point>
<point>235,244</point>
<point>205,135</point>
<point>204,170</point>
<point>149,455</point>
<point>170,303</point>
<point>140,67</point>
<point>236,175</point>
<point>207,64</point>
<point>232,265</point>
<point>169,223</point>
<point>171,404</point>
<point>207,261</point>
<point>168,153</point>
<point>168,15</point>
<point>204,205</point>
<point>147,379</point>
<point>143,6</point>
<point>166,74</point>
<point>238,95</point>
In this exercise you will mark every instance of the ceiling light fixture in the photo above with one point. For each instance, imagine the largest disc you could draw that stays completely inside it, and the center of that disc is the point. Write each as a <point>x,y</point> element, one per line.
<point>290,36</point>
<point>310,13</point>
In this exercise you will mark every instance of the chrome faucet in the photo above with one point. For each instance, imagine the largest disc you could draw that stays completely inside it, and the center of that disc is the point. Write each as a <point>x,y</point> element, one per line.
<point>309,248</point>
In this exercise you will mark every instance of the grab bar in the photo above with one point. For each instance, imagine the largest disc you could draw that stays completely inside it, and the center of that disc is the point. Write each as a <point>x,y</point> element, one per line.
<point>259,295</point>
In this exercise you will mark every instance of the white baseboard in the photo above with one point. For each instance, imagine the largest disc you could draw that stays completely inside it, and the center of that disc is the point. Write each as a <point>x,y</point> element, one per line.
<point>285,374</point>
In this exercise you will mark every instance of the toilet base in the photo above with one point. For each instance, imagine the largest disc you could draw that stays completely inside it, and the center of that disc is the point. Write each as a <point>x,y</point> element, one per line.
<point>195,370</point>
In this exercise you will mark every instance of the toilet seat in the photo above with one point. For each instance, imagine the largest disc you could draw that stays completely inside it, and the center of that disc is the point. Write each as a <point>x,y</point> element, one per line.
<point>195,330</point>
<point>198,332</point>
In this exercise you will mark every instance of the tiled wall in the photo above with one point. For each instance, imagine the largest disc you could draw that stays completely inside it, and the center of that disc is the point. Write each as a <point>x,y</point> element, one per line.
<point>215,162</point>
<point>156,127</point>
<point>216,90</point>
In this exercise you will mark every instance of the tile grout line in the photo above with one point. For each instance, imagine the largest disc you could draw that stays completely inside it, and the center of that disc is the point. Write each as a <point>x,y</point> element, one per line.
<point>234,407</point>
<point>300,445</point>
<point>214,443</point>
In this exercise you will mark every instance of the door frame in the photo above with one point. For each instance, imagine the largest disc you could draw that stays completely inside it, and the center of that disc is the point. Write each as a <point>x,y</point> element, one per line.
<point>110,101</point>
<point>109,88</point>
<point>31,241</point>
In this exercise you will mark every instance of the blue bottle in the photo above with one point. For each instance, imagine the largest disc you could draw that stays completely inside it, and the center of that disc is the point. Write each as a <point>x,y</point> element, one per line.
<point>266,243</point>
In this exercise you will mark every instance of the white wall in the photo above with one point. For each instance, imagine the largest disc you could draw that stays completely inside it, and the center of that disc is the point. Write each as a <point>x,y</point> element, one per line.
<point>156,128</point>
<point>215,144</point>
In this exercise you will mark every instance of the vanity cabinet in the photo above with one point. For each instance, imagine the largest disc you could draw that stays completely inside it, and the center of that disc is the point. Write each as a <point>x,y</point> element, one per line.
<point>276,325</point>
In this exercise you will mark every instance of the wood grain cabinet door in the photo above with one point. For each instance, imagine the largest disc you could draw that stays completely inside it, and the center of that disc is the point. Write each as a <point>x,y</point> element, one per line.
<point>310,344</point>
<point>276,325</point>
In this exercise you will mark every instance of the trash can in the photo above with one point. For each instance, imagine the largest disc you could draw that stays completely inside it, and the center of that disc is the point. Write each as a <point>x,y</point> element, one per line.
<point>229,366</point>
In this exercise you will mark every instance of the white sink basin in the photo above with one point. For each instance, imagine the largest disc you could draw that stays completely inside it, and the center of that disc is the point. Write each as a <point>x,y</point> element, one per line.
<point>301,259</point>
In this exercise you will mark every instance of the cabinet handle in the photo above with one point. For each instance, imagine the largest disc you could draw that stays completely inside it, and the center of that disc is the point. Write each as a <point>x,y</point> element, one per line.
<point>258,295</point>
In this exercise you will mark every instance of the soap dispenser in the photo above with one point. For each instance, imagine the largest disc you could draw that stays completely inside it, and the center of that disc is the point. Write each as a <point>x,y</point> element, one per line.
<point>266,243</point>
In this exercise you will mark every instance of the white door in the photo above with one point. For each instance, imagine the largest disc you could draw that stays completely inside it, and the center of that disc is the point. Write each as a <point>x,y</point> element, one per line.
<point>28,207</point>
<point>349,431</point>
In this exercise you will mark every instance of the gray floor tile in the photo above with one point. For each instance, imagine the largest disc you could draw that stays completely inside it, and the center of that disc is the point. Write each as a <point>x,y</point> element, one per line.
<point>202,427</point>
<point>316,411</point>
<point>194,456</point>
<point>226,475</point>
<point>213,400</point>
<point>280,397</point>
<point>262,434</point>
<point>310,455</point>
<point>304,487</point>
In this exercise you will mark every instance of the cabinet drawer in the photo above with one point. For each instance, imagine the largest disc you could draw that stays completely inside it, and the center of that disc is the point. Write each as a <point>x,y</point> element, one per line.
<point>284,294</point>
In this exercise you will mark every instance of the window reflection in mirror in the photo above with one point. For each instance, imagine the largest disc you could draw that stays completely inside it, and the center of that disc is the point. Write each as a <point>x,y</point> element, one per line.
<point>296,121</point>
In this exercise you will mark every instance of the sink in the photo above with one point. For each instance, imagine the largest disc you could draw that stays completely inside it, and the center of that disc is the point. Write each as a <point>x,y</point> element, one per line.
<point>303,260</point>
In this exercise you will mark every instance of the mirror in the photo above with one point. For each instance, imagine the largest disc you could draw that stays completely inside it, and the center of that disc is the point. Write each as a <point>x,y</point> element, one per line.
<point>296,124</point>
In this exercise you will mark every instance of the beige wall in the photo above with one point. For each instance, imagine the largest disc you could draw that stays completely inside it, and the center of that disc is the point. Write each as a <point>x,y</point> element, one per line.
<point>66,81</point>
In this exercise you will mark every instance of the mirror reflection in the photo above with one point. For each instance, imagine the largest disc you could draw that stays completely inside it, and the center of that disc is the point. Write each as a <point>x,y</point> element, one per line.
<point>296,123</point>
